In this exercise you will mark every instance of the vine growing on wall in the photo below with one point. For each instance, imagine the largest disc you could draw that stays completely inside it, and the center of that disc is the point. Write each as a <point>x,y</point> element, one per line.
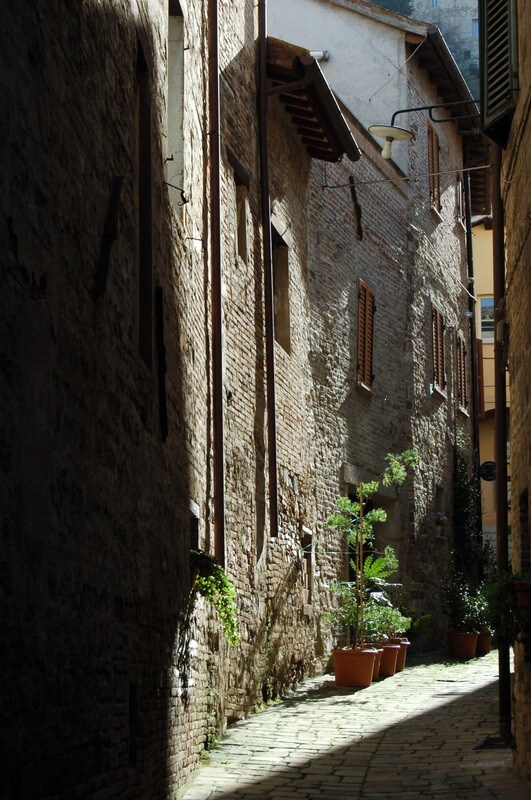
<point>213,583</point>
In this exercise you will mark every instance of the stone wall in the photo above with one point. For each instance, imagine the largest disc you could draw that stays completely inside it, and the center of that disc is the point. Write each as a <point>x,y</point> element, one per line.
<point>516,196</point>
<point>115,679</point>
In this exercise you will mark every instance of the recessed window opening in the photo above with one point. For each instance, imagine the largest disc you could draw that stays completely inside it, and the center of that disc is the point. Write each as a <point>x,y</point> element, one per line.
<point>307,566</point>
<point>175,102</point>
<point>460,202</point>
<point>281,290</point>
<point>433,168</point>
<point>440,510</point>
<point>365,335</point>
<point>242,244</point>
<point>475,28</point>
<point>144,209</point>
<point>461,369</point>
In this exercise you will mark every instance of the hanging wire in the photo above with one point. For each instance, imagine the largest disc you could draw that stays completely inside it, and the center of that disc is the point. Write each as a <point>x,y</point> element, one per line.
<point>410,177</point>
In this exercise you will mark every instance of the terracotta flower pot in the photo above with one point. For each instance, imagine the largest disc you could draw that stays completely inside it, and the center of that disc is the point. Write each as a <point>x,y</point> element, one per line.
<point>353,667</point>
<point>404,644</point>
<point>462,645</point>
<point>389,659</point>
<point>484,644</point>
<point>523,594</point>
<point>377,662</point>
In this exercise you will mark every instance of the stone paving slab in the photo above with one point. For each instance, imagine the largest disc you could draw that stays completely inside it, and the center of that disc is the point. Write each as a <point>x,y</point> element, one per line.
<point>411,736</point>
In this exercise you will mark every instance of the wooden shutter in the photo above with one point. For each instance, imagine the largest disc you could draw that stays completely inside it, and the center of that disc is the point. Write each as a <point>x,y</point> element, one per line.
<point>481,379</point>
<point>499,65</point>
<point>433,167</point>
<point>366,310</point>
<point>462,396</point>
<point>437,330</point>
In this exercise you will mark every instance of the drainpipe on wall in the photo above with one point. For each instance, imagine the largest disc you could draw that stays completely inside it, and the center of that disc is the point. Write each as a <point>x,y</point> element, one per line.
<point>268,268</point>
<point>214,151</point>
<point>473,355</point>
<point>500,430</point>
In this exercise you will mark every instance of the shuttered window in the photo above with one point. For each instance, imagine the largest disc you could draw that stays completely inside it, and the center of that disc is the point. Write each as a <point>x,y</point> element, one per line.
<point>437,331</point>
<point>366,310</point>
<point>433,168</point>
<point>481,379</point>
<point>499,65</point>
<point>461,352</point>
<point>460,202</point>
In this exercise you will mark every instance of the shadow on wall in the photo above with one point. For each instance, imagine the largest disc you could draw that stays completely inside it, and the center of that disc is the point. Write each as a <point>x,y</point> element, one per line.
<point>95,572</point>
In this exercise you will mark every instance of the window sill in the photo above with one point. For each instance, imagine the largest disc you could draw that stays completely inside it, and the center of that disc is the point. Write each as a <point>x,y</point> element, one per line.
<point>460,224</point>
<point>363,388</point>
<point>435,211</point>
<point>463,411</point>
<point>436,390</point>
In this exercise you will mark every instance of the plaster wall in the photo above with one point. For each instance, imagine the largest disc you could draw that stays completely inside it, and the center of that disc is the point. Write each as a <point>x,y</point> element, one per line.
<point>365,56</point>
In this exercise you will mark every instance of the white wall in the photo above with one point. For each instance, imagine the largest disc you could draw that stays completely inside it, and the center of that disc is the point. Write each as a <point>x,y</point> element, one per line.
<point>364,57</point>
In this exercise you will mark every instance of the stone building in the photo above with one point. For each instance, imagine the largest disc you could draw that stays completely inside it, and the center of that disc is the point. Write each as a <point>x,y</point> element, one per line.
<point>506,82</point>
<point>136,358</point>
<point>458,22</point>
<point>412,255</point>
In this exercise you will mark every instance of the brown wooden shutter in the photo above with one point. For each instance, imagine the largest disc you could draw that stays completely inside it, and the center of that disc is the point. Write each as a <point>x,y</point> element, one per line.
<point>481,379</point>
<point>437,331</point>
<point>433,167</point>
<point>462,397</point>
<point>366,309</point>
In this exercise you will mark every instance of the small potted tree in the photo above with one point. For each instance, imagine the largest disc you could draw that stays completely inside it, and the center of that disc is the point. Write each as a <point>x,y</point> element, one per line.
<point>355,525</point>
<point>460,608</point>
<point>480,621</point>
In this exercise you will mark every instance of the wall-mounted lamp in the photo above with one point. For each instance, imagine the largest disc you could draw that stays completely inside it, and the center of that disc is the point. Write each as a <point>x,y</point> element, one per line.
<point>392,132</point>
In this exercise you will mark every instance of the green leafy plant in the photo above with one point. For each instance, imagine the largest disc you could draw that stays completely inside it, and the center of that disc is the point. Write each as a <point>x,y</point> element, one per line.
<point>385,620</point>
<point>213,583</point>
<point>458,602</point>
<point>355,525</point>
<point>503,614</point>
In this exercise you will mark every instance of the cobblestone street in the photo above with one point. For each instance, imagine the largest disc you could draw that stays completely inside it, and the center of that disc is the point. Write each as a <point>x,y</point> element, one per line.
<point>416,735</point>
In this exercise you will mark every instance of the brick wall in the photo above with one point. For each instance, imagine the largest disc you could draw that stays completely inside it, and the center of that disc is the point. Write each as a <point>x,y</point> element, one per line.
<point>115,681</point>
<point>515,191</point>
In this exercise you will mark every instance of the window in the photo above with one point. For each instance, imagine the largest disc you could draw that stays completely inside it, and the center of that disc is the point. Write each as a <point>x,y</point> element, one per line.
<point>366,311</point>
<point>307,564</point>
<point>487,318</point>
<point>440,510</point>
<point>435,3</point>
<point>460,201</point>
<point>498,66</point>
<point>242,180</point>
<point>143,208</point>
<point>438,326</point>
<point>174,103</point>
<point>475,28</point>
<point>461,353</point>
<point>433,168</point>
<point>281,290</point>
<point>481,378</point>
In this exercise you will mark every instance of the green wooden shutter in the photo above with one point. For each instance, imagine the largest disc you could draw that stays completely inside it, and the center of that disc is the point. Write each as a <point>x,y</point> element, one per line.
<point>499,65</point>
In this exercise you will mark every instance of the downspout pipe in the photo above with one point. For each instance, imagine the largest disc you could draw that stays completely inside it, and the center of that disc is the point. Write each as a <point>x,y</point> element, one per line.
<point>268,268</point>
<point>500,430</point>
<point>214,151</point>
<point>473,346</point>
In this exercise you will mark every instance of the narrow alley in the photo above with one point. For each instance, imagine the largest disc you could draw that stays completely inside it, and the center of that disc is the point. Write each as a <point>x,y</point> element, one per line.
<point>430,731</point>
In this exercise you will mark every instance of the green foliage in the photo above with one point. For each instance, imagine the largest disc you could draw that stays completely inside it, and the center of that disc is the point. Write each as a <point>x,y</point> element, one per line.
<point>399,464</point>
<point>474,558</point>
<point>212,583</point>
<point>502,611</point>
<point>378,568</point>
<point>385,621</point>
<point>404,7</point>
<point>459,603</point>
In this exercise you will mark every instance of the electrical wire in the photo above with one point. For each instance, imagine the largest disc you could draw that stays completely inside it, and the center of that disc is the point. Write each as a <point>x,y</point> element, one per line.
<point>411,177</point>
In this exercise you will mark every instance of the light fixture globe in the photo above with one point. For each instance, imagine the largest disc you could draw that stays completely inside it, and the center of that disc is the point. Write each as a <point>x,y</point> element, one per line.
<point>390,133</point>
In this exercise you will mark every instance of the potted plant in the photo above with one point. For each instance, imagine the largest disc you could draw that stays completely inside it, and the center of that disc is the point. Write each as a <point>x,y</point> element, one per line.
<point>212,582</point>
<point>504,615</point>
<point>480,622</point>
<point>353,666</point>
<point>390,623</point>
<point>459,606</point>
<point>355,525</point>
